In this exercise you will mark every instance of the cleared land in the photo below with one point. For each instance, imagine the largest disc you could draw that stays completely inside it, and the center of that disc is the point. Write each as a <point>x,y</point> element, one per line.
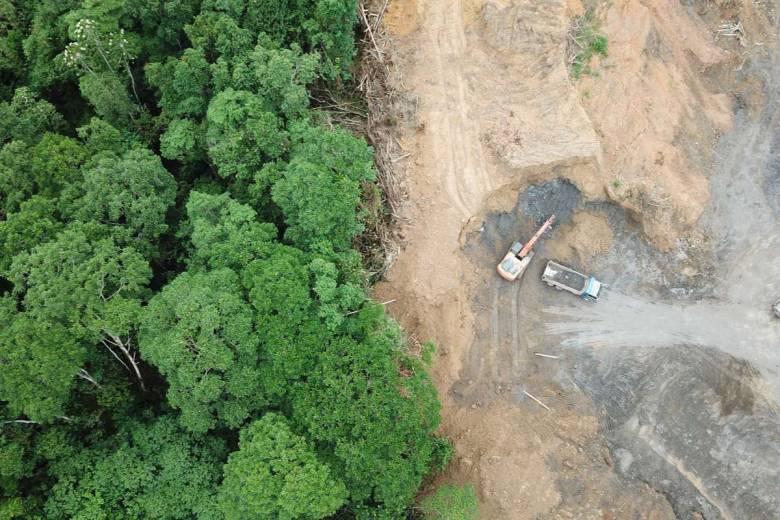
<point>663,172</point>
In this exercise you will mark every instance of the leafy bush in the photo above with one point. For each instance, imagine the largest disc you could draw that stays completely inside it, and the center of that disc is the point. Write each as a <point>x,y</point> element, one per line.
<point>451,503</point>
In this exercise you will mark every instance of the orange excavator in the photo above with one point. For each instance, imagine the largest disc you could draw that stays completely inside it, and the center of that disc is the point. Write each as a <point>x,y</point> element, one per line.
<point>516,261</point>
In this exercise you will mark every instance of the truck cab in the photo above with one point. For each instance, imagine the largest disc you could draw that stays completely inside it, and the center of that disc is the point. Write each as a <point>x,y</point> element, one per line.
<point>592,290</point>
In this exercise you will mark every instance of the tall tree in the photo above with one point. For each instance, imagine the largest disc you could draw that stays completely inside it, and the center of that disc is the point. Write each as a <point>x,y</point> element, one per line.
<point>131,194</point>
<point>145,470</point>
<point>320,190</point>
<point>199,333</point>
<point>243,133</point>
<point>26,118</point>
<point>375,411</point>
<point>275,475</point>
<point>36,222</point>
<point>85,283</point>
<point>225,233</point>
<point>39,362</point>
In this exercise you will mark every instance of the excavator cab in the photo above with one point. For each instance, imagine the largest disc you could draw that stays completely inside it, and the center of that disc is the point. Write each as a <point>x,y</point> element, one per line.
<point>512,267</point>
<point>516,260</point>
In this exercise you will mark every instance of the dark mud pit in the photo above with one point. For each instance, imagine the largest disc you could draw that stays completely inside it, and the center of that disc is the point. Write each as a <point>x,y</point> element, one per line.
<point>683,370</point>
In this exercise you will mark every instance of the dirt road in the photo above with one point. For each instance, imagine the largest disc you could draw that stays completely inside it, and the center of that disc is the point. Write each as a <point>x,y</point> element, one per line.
<point>652,416</point>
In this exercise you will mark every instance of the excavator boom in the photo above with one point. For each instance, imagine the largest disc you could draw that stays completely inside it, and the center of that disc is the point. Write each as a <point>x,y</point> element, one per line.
<point>532,242</point>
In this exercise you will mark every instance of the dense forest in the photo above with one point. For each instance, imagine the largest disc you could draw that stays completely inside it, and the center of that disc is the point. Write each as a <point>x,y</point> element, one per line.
<point>185,330</point>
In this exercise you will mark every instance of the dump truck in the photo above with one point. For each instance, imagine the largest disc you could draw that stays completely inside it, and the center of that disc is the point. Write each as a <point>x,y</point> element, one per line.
<point>566,279</point>
<point>519,256</point>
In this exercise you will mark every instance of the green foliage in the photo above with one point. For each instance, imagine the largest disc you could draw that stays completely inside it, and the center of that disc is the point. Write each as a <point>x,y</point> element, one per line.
<point>55,163</point>
<point>50,168</point>
<point>99,136</point>
<point>106,92</point>
<point>199,333</point>
<point>133,193</point>
<point>279,76</point>
<point>275,475</point>
<point>183,141</point>
<point>48,35</point>
<point>34,223</point>
<point>26,118</point>
<point>39,362</point>
<point>376,422</point>
<point>330,31</point>
<point>183,84</point>
<point>76,279</point>
<point>336,299</point>
<point>18,461</point>
<point>278,287</point>
<point>219,35</point>
<point>225,233</point>
<point>242,134</point>
<point>96,50</point>
<point>587,43</point>
<point>153,470</point>
<point>319,192</point>
<point>177,271</point>
<point>12,25</point>
<point>451,503</point>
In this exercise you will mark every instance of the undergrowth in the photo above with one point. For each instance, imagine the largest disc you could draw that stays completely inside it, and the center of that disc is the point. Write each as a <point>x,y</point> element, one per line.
<point>585,42</point>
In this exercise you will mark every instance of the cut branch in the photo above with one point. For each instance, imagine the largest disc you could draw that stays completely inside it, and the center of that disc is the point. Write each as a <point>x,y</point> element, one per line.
<point>370,32</point>
<point>538,401</point>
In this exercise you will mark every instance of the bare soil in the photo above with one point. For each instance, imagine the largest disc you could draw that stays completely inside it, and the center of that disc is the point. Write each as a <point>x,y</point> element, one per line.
<point>662,170</point>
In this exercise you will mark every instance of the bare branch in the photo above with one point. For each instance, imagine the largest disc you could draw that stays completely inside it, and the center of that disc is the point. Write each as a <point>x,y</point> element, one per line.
<point>125,348</point>
<point>83,374</point>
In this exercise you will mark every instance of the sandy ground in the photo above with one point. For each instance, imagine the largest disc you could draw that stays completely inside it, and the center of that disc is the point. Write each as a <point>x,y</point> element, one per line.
<point>663,397</point>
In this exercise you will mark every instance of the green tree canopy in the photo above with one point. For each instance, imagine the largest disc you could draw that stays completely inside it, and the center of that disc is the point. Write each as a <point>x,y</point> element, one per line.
<point>50,167</point>
<point>35,222</point>
<point>145,470</point>
<point>26,118</point>
<point>243,133</point>
<point>375,409</point>
<point>183,84</point>
<point>225,233</point>
<point>199,333</point>
<point>275,475</point>
<point>133,193</point>
<point>177,276</point>
<point>39,361</point>
<point>320,189</point>
<point>79,280</point>
<point>280,77</point>
<point>218,33</point>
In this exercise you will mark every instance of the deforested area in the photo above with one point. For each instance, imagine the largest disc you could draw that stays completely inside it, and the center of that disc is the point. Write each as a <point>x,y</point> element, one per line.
<point>649,128</point>
<point>185,326</point>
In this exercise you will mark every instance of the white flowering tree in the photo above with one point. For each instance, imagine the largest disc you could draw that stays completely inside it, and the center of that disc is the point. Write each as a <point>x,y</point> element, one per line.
<point>94,52</point>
